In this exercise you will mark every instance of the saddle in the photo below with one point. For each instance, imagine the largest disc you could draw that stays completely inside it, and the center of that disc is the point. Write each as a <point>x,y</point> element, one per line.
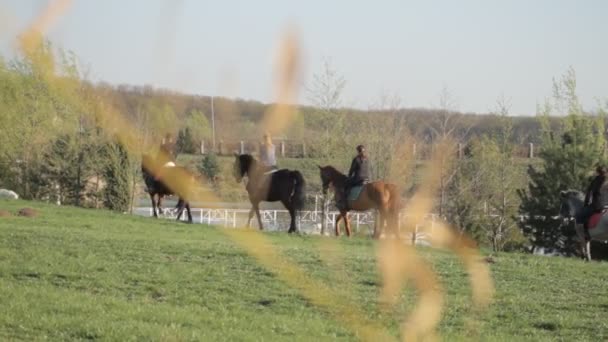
<point>354,192</point>
<point>595,218</point>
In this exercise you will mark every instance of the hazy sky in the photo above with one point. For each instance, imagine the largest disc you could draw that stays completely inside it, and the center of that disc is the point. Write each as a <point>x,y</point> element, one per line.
<point>477,49</point>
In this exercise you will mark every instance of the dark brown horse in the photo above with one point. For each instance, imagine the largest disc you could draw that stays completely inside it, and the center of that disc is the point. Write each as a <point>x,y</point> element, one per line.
<point>165,180</point>
<point>378,195</point>
<point>270,186</point>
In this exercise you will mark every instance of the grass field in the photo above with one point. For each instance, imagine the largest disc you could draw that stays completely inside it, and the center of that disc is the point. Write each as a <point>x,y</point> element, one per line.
<point>75,274</point>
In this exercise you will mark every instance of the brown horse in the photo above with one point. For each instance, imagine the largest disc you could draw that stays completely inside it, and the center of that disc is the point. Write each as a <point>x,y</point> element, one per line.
<point>284,185</point>
<point>163,180</point>
<point>375,195</point>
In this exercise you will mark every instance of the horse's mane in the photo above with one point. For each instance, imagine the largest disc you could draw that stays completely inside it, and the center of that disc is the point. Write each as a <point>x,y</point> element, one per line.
<point>334,172</point>
<point>573,193</point>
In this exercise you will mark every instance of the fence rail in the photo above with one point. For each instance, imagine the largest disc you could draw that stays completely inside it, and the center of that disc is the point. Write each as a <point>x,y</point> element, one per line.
<point>300,149</point>
<point>309,221</point>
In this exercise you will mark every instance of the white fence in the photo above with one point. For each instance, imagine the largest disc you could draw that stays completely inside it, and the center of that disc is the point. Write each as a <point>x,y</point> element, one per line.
<point>309,222</point>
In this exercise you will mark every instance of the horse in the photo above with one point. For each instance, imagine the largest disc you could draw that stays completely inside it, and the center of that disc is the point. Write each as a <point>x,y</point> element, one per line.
<point>571,205</point>
<point>269,185</point>
<point>378,195</point>
<point>165,158</point>
<point>167,179</point>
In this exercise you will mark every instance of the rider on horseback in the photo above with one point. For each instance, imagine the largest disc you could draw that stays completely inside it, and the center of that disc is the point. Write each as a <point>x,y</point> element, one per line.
<point>166,156</point>
<point>596,199</point>
<point>267,153</point>
<point>358,174</point>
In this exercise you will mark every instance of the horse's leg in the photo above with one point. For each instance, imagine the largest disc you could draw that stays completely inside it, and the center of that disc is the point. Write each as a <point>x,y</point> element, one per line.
<point>159,205</point>
<point>580,233</point>
<point>347,224</point>
<point>153,205</point>
<point>380,224</point>
<point>292,214</point>
<point>251,213</point>
<point>292,224</point>
<point>257,214</point>
<point>338,218</point>
<point>180,208</point>
<point>189,212</point>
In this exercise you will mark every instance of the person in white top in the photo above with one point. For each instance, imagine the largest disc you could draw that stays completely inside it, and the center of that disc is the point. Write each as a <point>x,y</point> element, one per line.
<point>267,153</point>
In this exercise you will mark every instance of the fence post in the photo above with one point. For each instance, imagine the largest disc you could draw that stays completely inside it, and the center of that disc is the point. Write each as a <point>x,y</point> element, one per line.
<point>324,207</point>
<point>202,146</point>
<point>283,148</point>
<point>531,150</point>
<point>242,147</point>
<point>414,152</point>
<point>220,146</point>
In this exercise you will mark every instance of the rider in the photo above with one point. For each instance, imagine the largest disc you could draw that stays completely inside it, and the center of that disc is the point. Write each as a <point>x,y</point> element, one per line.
<point>596,200</point>
<point>358,174</point>
<point>166,155</point>
<point>267,153</point>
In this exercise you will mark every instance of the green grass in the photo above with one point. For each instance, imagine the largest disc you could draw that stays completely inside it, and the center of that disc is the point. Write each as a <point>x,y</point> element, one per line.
<point>75,274</point>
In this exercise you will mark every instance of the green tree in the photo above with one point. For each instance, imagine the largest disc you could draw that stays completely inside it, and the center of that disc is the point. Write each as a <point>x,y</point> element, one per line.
<point>568,155</point>
<point>210,167</point>
<point>185,142</point>
<point>199,126</point>
<point>118,176</point>
<point>161,119</point>
<point>36,107</point>
<point>496,223</point>
<point>326,120</point>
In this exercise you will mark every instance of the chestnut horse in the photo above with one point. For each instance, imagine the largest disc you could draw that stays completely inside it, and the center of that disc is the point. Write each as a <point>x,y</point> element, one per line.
<point>378,195</point>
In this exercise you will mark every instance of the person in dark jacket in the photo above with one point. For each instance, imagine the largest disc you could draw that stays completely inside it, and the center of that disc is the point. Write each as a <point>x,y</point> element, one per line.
<point>595,199</point>
<point>358,174</point>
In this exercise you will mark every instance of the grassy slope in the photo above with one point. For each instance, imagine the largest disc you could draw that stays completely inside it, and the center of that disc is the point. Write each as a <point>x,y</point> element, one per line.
<point>83,274</point>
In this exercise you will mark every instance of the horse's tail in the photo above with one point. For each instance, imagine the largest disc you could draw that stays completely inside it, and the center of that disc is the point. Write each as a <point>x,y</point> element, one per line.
<point>297,198</point>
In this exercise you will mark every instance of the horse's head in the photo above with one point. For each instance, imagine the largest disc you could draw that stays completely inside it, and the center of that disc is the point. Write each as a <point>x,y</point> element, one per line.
<point>241,166</point>
<point>572,202</point>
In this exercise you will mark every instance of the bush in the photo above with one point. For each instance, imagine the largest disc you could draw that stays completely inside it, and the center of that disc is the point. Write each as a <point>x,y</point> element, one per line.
<point>210,167</point>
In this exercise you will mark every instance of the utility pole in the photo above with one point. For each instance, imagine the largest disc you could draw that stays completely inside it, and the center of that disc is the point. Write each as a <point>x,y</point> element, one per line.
<point>213,123</point>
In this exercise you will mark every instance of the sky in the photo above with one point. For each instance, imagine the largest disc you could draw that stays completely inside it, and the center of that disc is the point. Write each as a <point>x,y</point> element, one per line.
<point>477,50</point>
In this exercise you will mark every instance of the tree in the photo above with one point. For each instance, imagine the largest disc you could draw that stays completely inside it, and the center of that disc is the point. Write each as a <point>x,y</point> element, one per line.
<point>117,173</point>
<point>162,119</point>
<point>568,155</point>
<point>326,119</point>
<point>36,106</point>
<point>185,141</point>
<point>385,133</point>
<point>199,126</point>
<point>444,136</point>
<point>210,168</point>
<point>500,181</point>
